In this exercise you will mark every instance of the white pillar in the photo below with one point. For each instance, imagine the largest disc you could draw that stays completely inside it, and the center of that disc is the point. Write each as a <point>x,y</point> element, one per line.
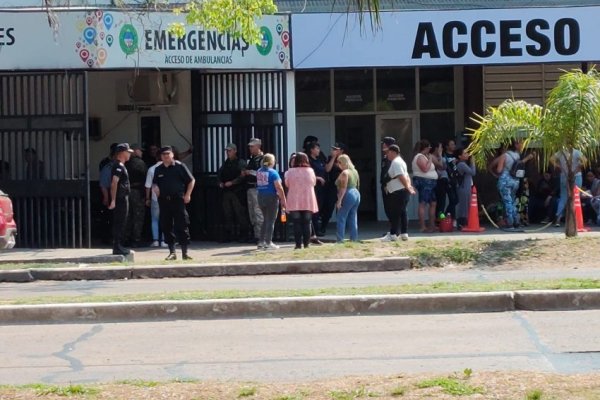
<point>291,111</point>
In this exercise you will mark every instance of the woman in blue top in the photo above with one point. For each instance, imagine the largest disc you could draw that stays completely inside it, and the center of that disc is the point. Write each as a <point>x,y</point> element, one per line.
<point>270,193</point>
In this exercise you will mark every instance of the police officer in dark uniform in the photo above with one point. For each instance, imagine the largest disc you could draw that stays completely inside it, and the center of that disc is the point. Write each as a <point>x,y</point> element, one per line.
<point>119,190</point>
<point>136,168</point>
<point>173,184</point>
<point>330,197</point>
<point>384,178</point>
<point>232,184</point>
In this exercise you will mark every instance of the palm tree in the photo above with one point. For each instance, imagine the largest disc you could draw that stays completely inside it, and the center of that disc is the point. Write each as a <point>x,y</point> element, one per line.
<point>569,120</point>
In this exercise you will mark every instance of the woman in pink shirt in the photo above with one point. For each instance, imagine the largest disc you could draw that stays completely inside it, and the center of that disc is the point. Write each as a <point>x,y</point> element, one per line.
<point>301,199</point>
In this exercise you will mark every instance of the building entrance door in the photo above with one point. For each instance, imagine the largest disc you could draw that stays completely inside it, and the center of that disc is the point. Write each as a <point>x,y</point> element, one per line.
<point>403,127</point>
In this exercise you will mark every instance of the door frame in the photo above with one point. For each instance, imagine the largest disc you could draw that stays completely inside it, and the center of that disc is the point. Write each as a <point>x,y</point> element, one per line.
<point>327,118</point>
<point>378,155</point>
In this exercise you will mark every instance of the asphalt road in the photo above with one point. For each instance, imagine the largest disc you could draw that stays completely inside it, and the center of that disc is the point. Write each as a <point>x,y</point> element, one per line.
<point>300,349</point>
<point>10,291</point>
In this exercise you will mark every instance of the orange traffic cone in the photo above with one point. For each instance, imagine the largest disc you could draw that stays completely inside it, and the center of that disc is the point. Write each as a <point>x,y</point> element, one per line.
<point>578,211</point>
<point>473,221</point>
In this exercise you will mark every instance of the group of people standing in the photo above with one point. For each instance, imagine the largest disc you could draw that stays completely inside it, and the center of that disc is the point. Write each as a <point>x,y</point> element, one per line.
<point>310,190</point>
<point>128,186</point>
<point>440,173</point>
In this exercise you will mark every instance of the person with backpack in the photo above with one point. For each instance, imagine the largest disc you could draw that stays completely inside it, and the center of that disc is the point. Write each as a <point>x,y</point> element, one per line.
<point>466,171</point>
<point>447,182</point>
<point>511,169</point>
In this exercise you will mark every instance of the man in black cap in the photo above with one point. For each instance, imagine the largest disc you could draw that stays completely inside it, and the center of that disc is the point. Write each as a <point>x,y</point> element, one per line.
<point>330,197</point>
<point>136,168</point>
<point>254,164</point>
<point>384,177</point>
<point>231,182</point>
<point>173,184</point>
<point>119,195</point>
<point>104,181</point>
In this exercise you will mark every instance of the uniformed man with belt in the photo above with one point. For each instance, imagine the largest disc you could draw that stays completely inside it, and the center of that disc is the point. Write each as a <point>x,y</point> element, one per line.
<point>119,194</point>
<point>173,184</point>
<point>252,166</point>
<point>136,168</point>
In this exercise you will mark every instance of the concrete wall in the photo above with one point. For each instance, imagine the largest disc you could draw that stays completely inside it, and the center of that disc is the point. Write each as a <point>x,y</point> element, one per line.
<point>105,92</point>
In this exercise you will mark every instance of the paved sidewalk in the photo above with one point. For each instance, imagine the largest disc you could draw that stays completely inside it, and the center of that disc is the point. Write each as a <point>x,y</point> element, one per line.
<point>216,252</point>
<point>11,291</point>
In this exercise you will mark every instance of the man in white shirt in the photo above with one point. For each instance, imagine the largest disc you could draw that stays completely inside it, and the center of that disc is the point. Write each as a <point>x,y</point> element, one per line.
<point>399,188</point>
<point>152,202</point>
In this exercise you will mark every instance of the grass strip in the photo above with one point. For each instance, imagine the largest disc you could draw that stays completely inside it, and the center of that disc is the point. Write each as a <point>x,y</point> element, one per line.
<point>436,287</point>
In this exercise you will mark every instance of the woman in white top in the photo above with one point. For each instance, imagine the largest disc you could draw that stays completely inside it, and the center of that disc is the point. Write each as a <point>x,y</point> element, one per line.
<point>425,180</point>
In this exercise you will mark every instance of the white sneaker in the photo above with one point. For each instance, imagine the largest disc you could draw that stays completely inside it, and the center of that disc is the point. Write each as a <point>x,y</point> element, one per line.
<point>155,244</point>
<point>261,246</point>
<point>163,244</point>
<point>389,238</point>
<point>404,237</point>
<point>271,246</point>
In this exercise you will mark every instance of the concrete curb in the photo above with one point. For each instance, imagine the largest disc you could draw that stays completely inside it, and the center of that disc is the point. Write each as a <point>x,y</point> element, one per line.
<point>99,259</point>
<point>207,270</point>
<point>288,307</point>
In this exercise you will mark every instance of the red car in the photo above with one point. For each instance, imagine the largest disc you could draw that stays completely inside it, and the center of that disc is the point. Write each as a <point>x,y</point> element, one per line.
<point>8,225</point>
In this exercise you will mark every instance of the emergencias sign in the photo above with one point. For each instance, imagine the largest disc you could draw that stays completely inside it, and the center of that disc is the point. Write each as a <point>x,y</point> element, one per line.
<point>422,38</point>
<point>109,39</point>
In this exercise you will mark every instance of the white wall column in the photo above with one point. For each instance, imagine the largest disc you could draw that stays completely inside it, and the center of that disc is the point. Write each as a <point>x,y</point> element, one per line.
<point>291,111</point>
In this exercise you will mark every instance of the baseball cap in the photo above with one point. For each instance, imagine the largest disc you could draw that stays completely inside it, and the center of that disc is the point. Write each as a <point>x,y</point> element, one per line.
<point>166,149</point>
<point>231,146</point>
<point>388,140</point>
<point>310,139</point>
<point>254,142</point>
<point>121,147</point>
<point>339,146</point>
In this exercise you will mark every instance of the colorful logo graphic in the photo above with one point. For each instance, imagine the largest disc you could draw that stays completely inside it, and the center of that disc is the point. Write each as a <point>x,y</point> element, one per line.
<point>95,36</point>
<point>266,43</point>
<point>128,39</point>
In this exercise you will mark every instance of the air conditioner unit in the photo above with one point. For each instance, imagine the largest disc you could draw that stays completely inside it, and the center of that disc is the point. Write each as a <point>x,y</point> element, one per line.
<point>147,89</point>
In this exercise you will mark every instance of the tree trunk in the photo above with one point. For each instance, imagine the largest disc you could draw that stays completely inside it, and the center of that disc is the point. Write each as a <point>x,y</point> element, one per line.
<point>570,223</point>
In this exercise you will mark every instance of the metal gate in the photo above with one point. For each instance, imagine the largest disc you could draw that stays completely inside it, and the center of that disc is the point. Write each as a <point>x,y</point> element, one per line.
<point>233,107</point>
<point>44,157</point>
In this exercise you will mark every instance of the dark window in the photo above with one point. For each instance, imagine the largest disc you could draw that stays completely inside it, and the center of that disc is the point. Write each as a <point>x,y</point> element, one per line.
<point>396,89</point>
<point>313,91</point>
<point>437,127</point>
<point>353,90</point>
<point>437,88</point>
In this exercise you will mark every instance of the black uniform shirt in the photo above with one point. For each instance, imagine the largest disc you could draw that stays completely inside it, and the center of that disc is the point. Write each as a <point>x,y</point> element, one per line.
<point>334,173</point>
<point>231,170</point>
<point>119,170</point>
<point>384,178</point>
<point>136,168</point>
<point>254,164</point>
<point>172,180</point>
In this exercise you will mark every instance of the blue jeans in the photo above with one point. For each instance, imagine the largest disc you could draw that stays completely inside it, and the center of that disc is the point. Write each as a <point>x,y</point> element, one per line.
<point>155,214</point>
<point>562,203</point>
<point>508,186</point>
<point>347,215</point>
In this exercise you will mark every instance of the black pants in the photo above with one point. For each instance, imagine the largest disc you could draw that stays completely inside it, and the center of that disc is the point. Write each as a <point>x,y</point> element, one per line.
<point>234,214</point>
<point>316,217</point>
<point>119,225</point>
<point>398,201</point>
<point>302,221</point>
<point>446,188</point>
<point>329,200</point>
<point>386,203</point>
<point>136,216</point>
<point>174,221</point>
